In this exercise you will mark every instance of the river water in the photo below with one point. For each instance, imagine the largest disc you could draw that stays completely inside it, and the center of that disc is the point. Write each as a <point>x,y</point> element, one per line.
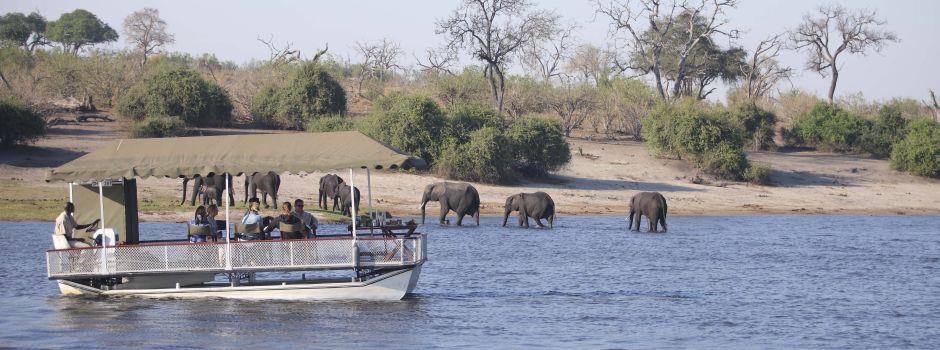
<point>711,282</point>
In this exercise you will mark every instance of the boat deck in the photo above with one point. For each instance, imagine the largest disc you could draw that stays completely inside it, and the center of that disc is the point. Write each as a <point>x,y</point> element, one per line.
<point>158,258</point>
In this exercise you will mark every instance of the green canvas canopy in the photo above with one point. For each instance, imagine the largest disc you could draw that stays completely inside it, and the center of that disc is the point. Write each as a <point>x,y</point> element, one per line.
<point>234,154</point>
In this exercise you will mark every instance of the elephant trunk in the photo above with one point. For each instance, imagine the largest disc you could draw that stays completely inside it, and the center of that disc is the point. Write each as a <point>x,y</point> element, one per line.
<point>424,203</point>
<point>185,183</point>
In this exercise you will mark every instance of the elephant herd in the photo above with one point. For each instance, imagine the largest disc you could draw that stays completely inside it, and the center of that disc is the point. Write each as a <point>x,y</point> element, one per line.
<point>461,198</point>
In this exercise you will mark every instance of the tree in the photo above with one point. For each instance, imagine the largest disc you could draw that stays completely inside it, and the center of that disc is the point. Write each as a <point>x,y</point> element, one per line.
<point>79,28</point>
<point>838,30</point>
<point>438,61</point>
<point>591,64</point>
<point>145,30</point>
<point>544,57</point>
<point>379,59</point>
<point>933,106</point>
<point>762,71</point>
<point>672,38</point>
<point>22,30</point>
<point>492,31</point>
<point>573,104</point>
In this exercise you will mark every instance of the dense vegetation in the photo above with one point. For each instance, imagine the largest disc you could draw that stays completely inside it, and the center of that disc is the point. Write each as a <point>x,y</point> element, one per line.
<point>159,126</point>
<point>308,93</point>
<point>829,127</point>
<point>919,151</point>
<point>18,124</point>
<point>177,92</point>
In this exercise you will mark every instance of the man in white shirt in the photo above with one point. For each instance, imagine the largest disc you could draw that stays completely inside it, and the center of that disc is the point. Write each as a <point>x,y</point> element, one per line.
<point>65,225</point>
<point>309,221</point>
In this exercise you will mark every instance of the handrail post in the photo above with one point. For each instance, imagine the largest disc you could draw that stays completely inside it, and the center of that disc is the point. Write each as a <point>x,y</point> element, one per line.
<point>104,242</point>
<point>228,224</point>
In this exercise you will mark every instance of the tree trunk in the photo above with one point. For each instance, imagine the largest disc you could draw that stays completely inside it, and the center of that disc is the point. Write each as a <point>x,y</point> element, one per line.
<point>494,94</point>
<point>659,83</point>
<point>832,83</point>
<point>5,82</point>
<point>501,91</point>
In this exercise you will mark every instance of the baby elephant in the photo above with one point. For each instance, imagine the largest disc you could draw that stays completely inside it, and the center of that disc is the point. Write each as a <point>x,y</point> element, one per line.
<point>651,204</point>
<point>538,205</point>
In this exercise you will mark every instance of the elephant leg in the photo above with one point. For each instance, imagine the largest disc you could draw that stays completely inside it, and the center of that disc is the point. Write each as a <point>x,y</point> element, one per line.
<point>538,221</point>
<point>662,220</point>
<point>654,223</point>
<point>274,198</point>
<point>444,210</point>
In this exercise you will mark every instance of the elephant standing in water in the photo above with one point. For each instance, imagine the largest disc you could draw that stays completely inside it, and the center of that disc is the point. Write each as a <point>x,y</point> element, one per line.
<point>210,187</point>
<point>345,204</point>
<point>268,184</point>
<point>538,205</point>
<point>328,185</point>
<point>651,204</point>
<point>462,198</point>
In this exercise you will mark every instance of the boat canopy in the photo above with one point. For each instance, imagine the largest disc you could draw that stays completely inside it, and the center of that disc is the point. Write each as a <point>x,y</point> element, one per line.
<point>234,154</point>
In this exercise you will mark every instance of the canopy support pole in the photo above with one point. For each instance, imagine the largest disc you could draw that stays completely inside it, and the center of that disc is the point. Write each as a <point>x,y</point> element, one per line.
<point>228,246</point>
<point>372,215</point>
<point>71,198</point>
<point>104,241</point>
<point>352,211</point>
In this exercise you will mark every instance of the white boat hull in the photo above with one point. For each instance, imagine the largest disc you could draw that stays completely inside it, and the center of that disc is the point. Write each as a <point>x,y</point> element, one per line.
<point>389,286</point>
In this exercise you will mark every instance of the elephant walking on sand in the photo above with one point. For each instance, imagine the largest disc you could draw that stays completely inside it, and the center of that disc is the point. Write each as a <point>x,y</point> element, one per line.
<point>212,186</point>
<point>345,204</point>
<point>268,184</point>
<point>328,185</point>
<point>538,205</point>
<point>650,204</point>
<point>462,198</point>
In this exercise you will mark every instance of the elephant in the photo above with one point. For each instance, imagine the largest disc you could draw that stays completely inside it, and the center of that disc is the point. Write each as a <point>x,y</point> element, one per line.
<point>268,184</point>
<point>538,205</point>
<point>651,204</point>
<point>200,184</point>
<point>328,185</point>
<point>342,193</point>
<point>462,198</point>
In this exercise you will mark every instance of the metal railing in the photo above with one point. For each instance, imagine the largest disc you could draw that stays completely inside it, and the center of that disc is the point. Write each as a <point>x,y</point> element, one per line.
<point>286,255</point>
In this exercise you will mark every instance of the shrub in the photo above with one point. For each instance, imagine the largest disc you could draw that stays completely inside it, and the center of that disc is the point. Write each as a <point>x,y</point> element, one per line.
<point>19,124</point>
<point>758,174</point>
<point>159,126</point>
<point>307,92</point>
<point>756,123</point>
<point>919,152</point>
<point>467,118</point>
<point>485,158</point>
<point>538,145</point>
<point>887,130</point>
<point>724,161</point>
<point>829,127</point>
<point>411,123</point>
<point>329,123</point>
<point>177,91</point>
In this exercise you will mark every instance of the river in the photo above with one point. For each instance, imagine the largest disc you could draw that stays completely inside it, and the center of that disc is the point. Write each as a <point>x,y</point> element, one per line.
<point>711,282</point>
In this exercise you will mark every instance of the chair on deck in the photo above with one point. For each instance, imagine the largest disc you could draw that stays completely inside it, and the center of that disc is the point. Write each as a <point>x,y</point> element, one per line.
<point>248,232</point>
<point>291,231</point>
<point>199,230</point>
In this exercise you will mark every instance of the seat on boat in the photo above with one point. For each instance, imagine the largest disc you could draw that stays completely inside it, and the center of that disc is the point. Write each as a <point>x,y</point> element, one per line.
<point>61,242</point>
<point>291,231</point>
<point>199,230</point>
<point>248,230</point>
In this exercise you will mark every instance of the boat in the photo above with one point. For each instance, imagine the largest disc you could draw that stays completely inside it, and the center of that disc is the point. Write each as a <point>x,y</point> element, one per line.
<point>360,265</point>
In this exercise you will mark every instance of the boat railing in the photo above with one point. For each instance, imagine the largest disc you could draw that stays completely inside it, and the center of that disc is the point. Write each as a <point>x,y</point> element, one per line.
<point>273,255</point>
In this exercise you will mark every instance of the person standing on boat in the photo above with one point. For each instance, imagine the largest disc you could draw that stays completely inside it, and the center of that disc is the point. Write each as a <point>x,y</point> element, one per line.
<point>199,219</point>
<point>309,221</point>
<point>65,225</point>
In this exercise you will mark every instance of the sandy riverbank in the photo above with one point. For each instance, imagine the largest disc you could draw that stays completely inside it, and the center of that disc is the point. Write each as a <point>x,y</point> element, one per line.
<point>600,181</point>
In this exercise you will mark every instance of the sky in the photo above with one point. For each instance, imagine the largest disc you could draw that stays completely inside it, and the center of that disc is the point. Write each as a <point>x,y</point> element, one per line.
<point>230,29</point>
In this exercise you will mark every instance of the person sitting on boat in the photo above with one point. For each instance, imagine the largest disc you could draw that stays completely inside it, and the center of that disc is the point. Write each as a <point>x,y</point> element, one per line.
<point>309,221</point>
<point>251,218</point>
<point>200,219</point>
<point>213,212</point>
<point>65,225</point>
<point>288,218</point>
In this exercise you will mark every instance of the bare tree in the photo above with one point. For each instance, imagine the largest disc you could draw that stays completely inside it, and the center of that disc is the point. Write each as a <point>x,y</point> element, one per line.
<point>591,63</point>
<point>544,57</point>
<point>438,60</point>
<point>762,71</point>
<point>689,21</point>
<point>378,60</point>
<point>147,32</point>
<point>837,30</point>
<point>933,105</point>
<point>492,31</point>
<point>573,104</point>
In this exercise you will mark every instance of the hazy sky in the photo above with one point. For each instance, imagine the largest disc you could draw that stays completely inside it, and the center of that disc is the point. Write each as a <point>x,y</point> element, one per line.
<point>229,30</point>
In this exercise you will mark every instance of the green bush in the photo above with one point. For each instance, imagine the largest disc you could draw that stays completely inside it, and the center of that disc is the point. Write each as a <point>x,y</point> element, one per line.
<point>467,118</point>
<point>329,123</point>
<point>485,158</point>
<point>177,91</point>
<point>887,130</point>
<point>159,126</point>
<point>307,93</point>
<point>413,124</point>
<point>538,145</point>
<point>702,134</point>
<point>919,152</point>
<point>756,123</point>
<point>758,174</point>
<point>19,124</point>
<point>831,128</point>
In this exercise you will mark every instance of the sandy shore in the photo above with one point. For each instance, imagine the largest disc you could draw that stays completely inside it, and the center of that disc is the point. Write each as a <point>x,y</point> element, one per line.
<point>600,181</point>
